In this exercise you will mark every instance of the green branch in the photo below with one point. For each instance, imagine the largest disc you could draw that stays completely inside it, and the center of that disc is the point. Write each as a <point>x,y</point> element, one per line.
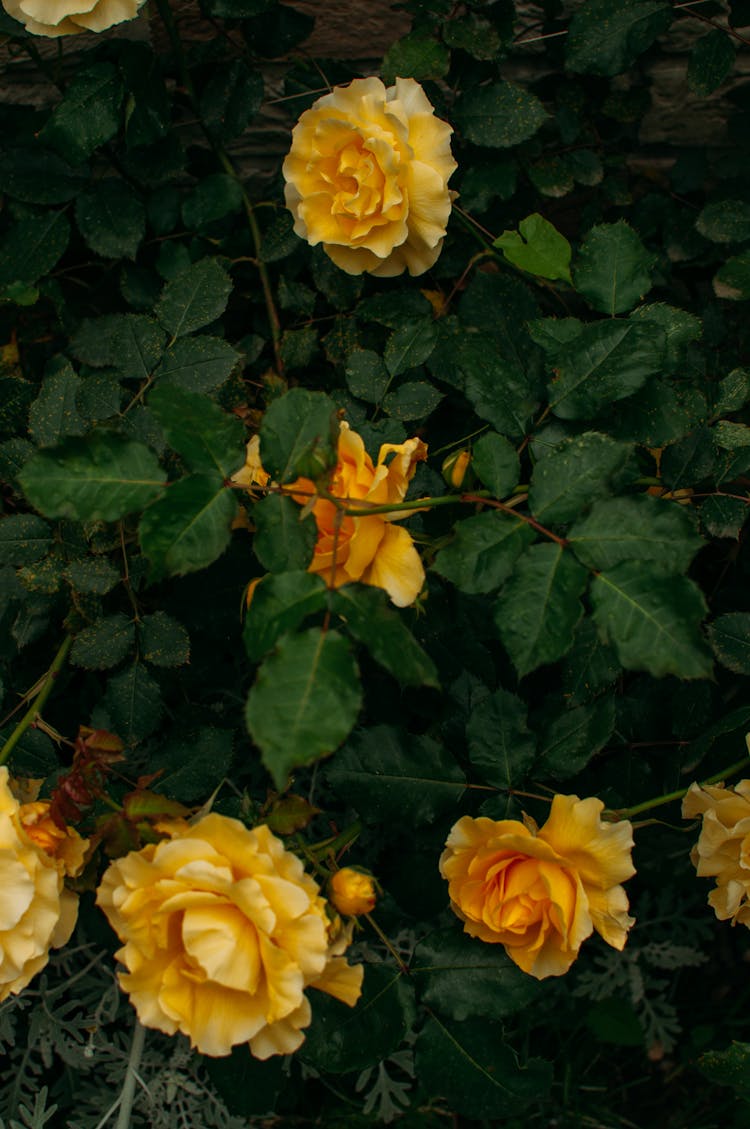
<point>40,697</point>
<point>679,793</point>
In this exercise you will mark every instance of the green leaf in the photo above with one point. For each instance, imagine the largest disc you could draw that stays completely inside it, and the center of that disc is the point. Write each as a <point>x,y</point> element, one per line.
<point>214,197</point>
<point>605,362</point>
<point>24,538</point>
<point>112,219</point>
<point>192,763</point>
<point>299,434</point>
<point>104,644</point>
<point>394,778</point>
<point>341,1039</point>
<point>419,56</point>
<point>414,400</point>
<point>88,115</point>
<point>409,345</point>
<point>366,375</point>
<point>570,740</point>
<point>368,615</point>
<point>196,297</point>
<point>102,477</point>
<point>723,517</point>
<point>137,345</point>
<point>501,746</point>
<point>460,977</point>
<point>688,461</point>
<point>93,575</point>
<point>495,462</point>
<point>732,280</point>
<point>638,528</point>
<point>500,115</point>
<point>304,702</point>
<point>133,703</point>
<point>33,757</point>
<point>206,437</point>
<point>496,384</point>
<point>35,175</point>
<point>538,609</point>
<point>725,221</point>
<point>575,473</point>
<point>730,641</point>
<point>279,239</point>
<point>284,539</point>
<point>231,99</point>
<point>729,1068</point>
<point>473,34</point>
<point>652,620</point>
<point>711,62</point>
<point>54,414</point>
<point>471,1066</point>
<point>189,527</point>
<point>606,38</point>
<point>280,603</point>
<point>197,364</point>
<point>679,326</point>
<point>537,247</point>
<point>613,268</point>
<point>483,551</point>
<point>32,247</point>
<point>163,640</point>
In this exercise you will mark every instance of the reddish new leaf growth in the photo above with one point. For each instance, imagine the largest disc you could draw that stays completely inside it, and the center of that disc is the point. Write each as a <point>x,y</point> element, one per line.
<point>95,751</point>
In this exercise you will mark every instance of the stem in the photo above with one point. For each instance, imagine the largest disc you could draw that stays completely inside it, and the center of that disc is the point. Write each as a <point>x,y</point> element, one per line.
<point>338,842</point>
<point>127,1093</point>
<point>668,797</point>
<point>522,517</point>
<point>38,701</point>
<point>390,947</point>
<point>362,509</point>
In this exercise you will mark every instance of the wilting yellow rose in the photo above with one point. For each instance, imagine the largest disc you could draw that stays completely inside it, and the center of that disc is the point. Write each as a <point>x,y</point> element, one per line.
<point>541,892</point>
<point>223,931</point>
<point>352,892</point>
<point>37,913</point>
<point>367,176</point>
<point>723,848</point>
<point>69,17</point>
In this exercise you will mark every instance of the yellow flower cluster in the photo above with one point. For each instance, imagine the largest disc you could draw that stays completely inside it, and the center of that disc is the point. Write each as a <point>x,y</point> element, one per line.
<point>70,17</point>
<point>367,177</point>
<point>366,548</point>
<point>541,891</point>
<point>223,932</point>
<point>37,913</point>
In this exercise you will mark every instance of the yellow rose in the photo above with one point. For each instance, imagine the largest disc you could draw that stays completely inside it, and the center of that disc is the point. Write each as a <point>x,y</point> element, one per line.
<point>223,931</point>
<point>36,912</point>
<point>723,848</point>
<point>352,892</point>
<point>367,176</point>
<point>541,892</point>
<point>69,17</point>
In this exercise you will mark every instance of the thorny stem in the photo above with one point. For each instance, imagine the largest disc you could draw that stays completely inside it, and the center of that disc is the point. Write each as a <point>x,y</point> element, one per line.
<point>669,797</point>
<point>39,699</point>
<point>127,1093</point>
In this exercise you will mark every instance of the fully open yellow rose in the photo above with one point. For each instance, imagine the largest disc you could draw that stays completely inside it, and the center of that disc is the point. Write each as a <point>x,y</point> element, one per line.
<point>223,931</point>
<point>70,17</point>
<point>723,848</point>
<point>37,913</point>
<point>541,892</point>
<point>367,176</point>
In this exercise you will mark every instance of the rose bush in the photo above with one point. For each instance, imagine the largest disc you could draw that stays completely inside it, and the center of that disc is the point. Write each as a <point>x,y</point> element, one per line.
<point>70,17</point>
<point>37,913</point>
<point>723,848</point>
<point>367,177</point>
<point>223,931</point>
<point>541,892</point>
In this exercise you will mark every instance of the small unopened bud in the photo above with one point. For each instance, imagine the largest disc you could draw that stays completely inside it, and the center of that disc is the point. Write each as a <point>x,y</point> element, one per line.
<point>455,468</point>
<point>352,892</point>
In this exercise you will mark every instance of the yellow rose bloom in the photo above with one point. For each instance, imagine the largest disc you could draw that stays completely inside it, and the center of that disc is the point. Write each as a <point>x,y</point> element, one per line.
<point>222,932</point>
<point>37,913</point>
<point>367,176</point>
<point>541,892</point>
<point>70,17</point>
<point>352,892</point>
<point>369,548</point>
<point>723,848</point>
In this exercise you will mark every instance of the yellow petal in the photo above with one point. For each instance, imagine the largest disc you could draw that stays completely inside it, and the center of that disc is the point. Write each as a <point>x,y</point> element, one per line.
<point>397,567</point>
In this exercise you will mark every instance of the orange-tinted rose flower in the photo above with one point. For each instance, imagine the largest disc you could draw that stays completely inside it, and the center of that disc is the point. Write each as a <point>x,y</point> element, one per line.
<point>367,176</point>
<point>541,892</point>
<point>723,848</point>
<point>70,17</point>
<point>352,892</point>
<point>223,932</point>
